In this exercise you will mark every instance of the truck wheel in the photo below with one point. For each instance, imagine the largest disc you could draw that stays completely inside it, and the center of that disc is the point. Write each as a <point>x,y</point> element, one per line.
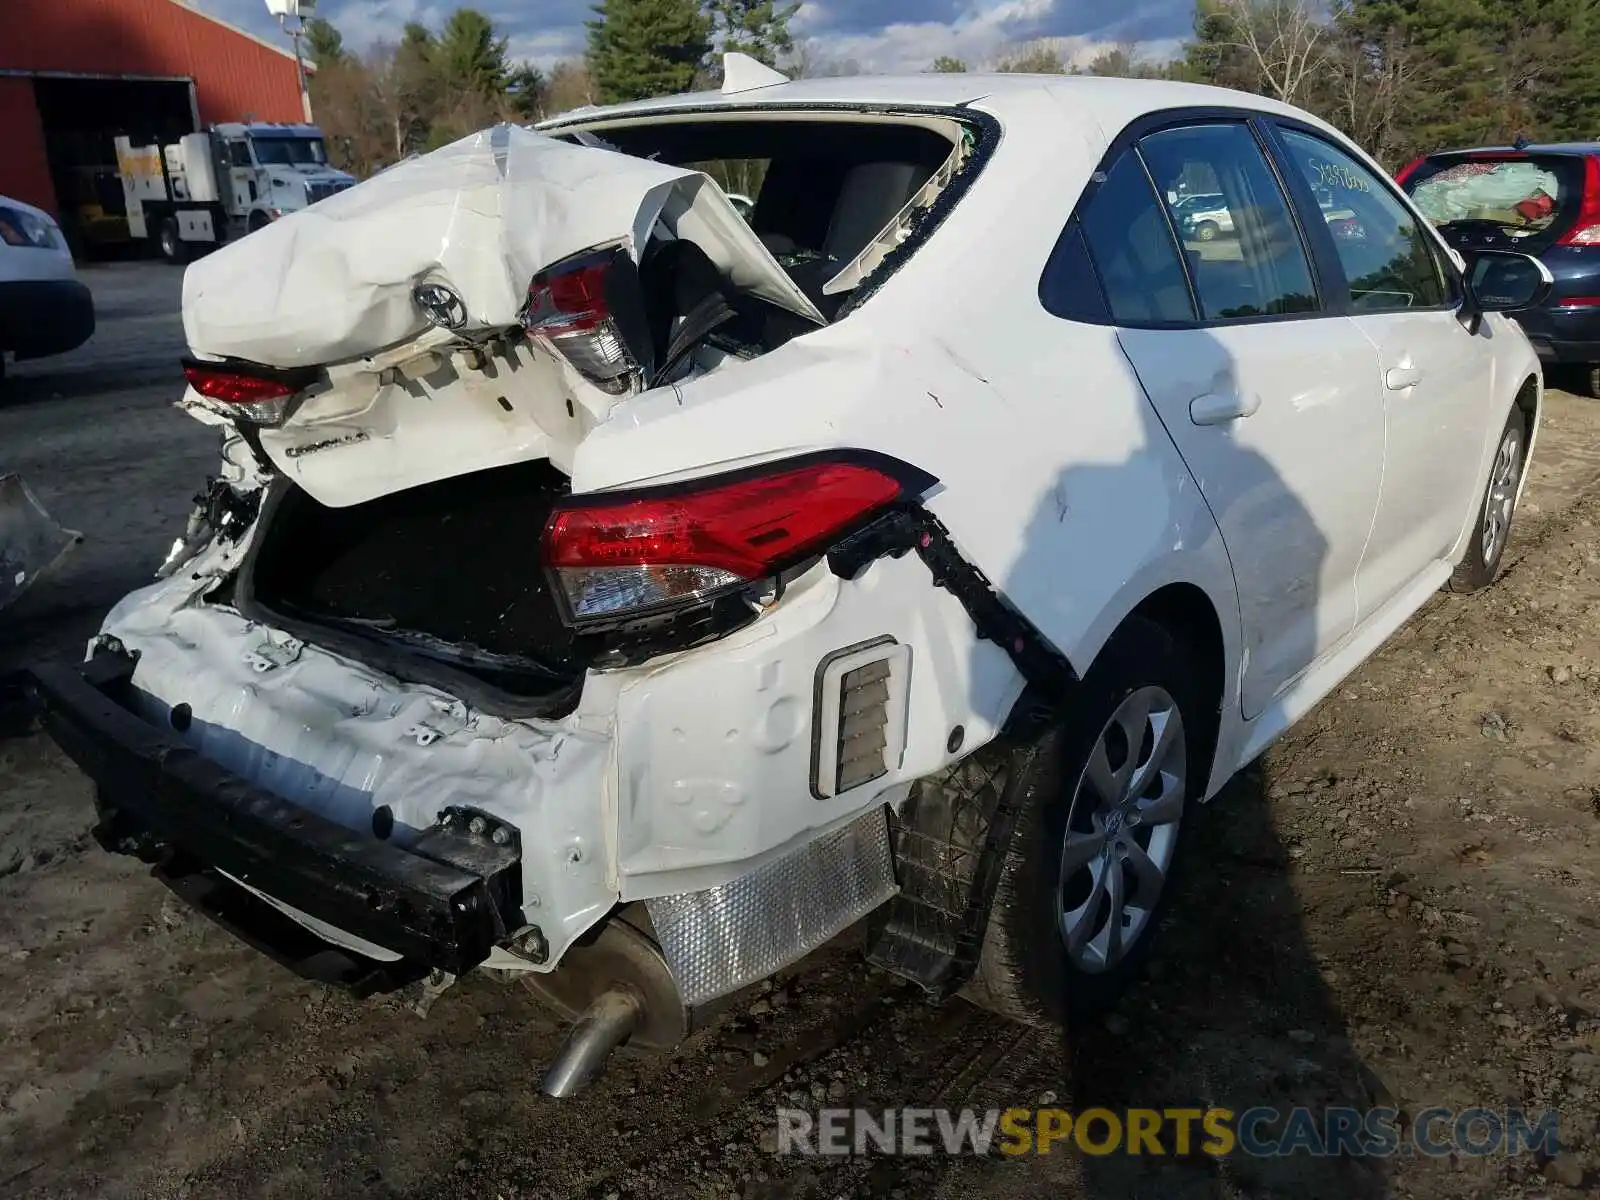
<point>1103,818</point>
<point>172,247</point>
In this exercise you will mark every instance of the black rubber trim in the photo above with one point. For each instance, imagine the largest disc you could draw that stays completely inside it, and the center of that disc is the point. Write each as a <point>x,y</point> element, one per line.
<point>948,865</point>
<point>912,527</point>
<point>443,902</point>
<point>932,932</point>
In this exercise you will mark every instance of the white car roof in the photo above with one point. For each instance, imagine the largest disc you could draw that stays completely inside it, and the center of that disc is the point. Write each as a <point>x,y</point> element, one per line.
<point>26,207</point>
<point>1109,101</point>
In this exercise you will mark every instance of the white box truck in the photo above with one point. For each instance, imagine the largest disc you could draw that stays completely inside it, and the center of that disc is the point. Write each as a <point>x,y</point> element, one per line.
<point>210,187</point>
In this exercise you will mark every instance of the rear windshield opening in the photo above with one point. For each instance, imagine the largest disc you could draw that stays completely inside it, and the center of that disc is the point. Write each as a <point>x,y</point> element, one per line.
<point>826,196</point>
<point>1523,197</point>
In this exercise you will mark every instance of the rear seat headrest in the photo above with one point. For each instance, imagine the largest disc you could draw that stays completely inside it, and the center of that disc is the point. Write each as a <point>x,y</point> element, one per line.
<point>870,197</point>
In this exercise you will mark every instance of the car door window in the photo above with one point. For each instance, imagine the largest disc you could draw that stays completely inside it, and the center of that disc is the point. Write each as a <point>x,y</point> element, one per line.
<point>239,154</point>
<point>1243,248</point>
<point>1387,261</point>
<point>1132,249</point>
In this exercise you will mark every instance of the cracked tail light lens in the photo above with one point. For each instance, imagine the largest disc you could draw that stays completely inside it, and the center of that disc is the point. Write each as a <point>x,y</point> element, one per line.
<point>258,398</point>
<point>570,308</point>
<point>623,555</point>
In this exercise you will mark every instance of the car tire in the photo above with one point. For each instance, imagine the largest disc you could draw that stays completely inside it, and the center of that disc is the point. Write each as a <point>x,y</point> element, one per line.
<point>1206,231</point>
<point>1049,956</point>
<point>1491,527</point>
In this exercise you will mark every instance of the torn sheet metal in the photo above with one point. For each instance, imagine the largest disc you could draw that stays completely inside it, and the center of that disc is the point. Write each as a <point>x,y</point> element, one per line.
<point>31,543</point>
<point>481,216</point>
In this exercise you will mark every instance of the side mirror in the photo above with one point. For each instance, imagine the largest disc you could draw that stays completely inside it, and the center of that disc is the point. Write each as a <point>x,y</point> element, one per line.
<point>1505,281</point>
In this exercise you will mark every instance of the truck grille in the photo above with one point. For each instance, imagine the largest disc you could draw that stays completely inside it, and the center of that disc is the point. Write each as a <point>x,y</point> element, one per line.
<point>321,189</point>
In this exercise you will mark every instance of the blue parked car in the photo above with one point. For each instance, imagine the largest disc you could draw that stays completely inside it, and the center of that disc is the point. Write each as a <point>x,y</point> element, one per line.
<point>1540,200</point>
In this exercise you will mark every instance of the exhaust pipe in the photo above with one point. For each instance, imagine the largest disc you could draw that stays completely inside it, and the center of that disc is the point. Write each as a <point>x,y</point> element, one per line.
<point>604,1026</point>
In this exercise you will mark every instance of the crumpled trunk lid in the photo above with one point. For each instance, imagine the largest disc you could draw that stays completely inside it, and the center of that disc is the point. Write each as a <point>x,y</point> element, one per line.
<point>409,400</point>
<point>481,216</point>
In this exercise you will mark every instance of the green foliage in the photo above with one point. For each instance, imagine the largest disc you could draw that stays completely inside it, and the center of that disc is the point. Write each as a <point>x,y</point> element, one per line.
<point>640,48</point>
<point>467,56</point>
<point>946,65</point>
<point>1405,77</point>
<point>324,43</point>
<point>1038,59</point>
<point>759,28</point>
<point>526,88</point>
<point>1124,62</point>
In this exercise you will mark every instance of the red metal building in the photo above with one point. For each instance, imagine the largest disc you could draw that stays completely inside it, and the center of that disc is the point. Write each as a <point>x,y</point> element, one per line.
<point>76,73</point>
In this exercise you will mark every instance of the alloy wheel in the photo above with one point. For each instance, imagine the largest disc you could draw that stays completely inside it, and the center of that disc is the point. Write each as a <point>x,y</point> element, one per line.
<point>1502,498</point>
<point>1122,831</point>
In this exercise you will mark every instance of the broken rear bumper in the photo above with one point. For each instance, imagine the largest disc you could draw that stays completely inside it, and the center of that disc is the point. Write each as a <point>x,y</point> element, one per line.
<point>442,902</point>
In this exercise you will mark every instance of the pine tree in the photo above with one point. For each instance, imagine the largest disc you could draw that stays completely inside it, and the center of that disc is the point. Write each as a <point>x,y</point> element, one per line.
<point>946,65</point>
<point>640,48</point>
<point>759,28</point>
<point>469,57</point>
<point>324,43</point>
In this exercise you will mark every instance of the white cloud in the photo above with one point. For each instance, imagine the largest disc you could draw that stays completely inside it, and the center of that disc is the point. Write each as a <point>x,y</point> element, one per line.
<point>834,30</point>
<point>547,48</point>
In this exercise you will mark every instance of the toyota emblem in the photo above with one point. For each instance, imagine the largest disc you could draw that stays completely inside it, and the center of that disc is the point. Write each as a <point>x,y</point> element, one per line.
<point>440,305</point>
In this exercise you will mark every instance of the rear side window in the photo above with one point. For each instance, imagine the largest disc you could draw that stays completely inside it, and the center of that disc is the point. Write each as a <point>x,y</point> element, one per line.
<point>1133,251</point>
<point>1520,196</point>
<point>1239,236</point>
<point>1386,258</point>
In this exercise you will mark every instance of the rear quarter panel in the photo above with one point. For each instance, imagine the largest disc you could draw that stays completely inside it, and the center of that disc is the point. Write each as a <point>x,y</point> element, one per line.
<point>1056,478</point>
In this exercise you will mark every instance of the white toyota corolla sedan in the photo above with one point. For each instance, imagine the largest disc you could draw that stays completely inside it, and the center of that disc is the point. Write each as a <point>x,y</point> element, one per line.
<point>606,587</point>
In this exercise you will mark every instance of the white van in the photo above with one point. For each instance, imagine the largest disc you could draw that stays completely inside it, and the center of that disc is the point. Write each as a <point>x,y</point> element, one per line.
<point>44,308</point>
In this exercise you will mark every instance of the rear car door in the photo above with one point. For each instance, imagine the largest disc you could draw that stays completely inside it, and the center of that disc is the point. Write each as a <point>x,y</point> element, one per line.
<point>1434,374</point>
<point>1268,397</point>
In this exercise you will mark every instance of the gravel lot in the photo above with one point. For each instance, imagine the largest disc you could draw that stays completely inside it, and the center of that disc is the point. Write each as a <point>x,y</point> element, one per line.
<point>1398,906</point>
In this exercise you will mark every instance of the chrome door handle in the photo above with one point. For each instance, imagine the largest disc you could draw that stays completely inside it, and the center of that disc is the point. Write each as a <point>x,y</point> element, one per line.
<point>1397,379</point>
<point>1218,408</point>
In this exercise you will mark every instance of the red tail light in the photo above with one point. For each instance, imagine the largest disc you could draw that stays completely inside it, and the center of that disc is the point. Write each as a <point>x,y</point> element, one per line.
<point>1405,172</point>
<point>1585,230</point>
<point>630,553</point>
<point>259,396</point>
<point>572,307</point>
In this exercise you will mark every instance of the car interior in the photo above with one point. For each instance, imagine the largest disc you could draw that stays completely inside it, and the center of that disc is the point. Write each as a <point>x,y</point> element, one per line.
<point>826,189</point>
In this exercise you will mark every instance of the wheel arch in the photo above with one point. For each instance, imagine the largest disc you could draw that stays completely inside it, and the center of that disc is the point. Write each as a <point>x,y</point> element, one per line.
<point>1530,399</point>
<point>1195,617</point>
<point>1186,611</point>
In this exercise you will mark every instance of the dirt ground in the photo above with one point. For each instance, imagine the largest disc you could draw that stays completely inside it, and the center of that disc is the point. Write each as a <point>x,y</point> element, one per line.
<point>1399,906</point>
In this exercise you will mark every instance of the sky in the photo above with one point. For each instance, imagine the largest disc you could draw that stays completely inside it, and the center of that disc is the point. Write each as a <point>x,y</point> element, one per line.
<point>880,35</point>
